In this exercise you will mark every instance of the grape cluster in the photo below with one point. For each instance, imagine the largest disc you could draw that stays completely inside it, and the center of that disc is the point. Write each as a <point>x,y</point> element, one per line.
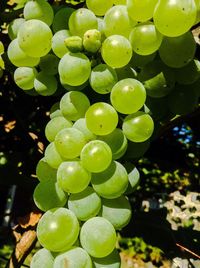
<point>125,65</point>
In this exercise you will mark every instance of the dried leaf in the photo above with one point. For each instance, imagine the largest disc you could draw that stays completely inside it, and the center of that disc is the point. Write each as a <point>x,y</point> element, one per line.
<point>29,220</point>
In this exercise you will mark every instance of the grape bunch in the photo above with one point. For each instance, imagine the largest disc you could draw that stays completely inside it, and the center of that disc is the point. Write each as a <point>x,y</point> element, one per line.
<point>125,67</point>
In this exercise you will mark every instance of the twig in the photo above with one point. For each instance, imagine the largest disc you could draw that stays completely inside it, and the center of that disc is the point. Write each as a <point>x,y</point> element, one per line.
<point>188,250</point>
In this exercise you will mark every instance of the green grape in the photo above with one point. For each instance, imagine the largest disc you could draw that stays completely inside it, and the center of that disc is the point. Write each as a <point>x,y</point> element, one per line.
<point>101,118</point>
<point>126,72</point>
<point>101,28</point>
<point>103,78</point>
<point>1,48</point>
<point>117,21</point>
<point>158,79</point>
<point>55,125</point>
<point>80,124</point>
<point>61,18</point>
<point>74,69</point>
<point>117,142</point>
<point>74,88</point>
<point>58,43</point>
<point>141,10</point>
<point>14,26</point>
<point>45,84</point>
<point>69,142</point>
<point>82,20</point>
<point>110,261</point>
<point>49,64</point>
<point>52,156</point>
<point>40,10</point>
<point>197,2</point>
<point>134,179</point>
<point>96,156</point>
<point>99,7</point>
<point>145,39</point>
<point>140,61</point>
<point>98,237</point>
<point>189,73</point>
<point>44,172</point>
<point>182,100</point>
<point>17,56</point>
<point>75,257</point>
<point>119,2</point>
<point>34,38</point>
<point>74,43</point>
<point>136,150</point>
<point>182,14</point>
<point>43,258</point>
<point>92,40</point>
<point>72,177</point>
<point>48,194</point>
<point>128,96</point>
<point>117,211</point>
<point>138,127</point>
<point>24,77</point>
<point>85,204</point>
<point>58,229</point>
<point>116,51</point>
<point>74,105</point>
<point>112,182</point>
<point>177,52</point>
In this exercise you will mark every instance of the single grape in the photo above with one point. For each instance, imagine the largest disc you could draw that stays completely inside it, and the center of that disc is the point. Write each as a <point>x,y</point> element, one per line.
<point>55,125</point>
<point>101,118</point>
<point>24,77</point>
<point>117,142</point>
<point>138,127</point>
<point>99,7</point>
<point>177,52</point>
<point>58,229</point>
<point>80,124</point>
<point>61,19</point>
<point>85,204</point>
<point>103,78</point>
<point>43,258</point>
<point>188,74</point>
<point>17,56</point>
<point>52,156</point>
<point>75,257</point>
<point>74,43</point>
<point>44,172</point>
<point>49,64</point>
<point>82,20</point>
<point>126,72</point>
<point>72,177</point>
<point>110,261</point>
<point>98,237</point>
<point>14,26</point>
<point>128,96</point>
<point>55,111</point>
<point>74,69</point>
<point>92,40</point>
<point>58,43</point>
<point>117,211</point>
<point>96,156</point>
<point>145,39</point>
<point>116,51</point>
<point>133,178</point>
<point>40,10</point>
<point>141,10</point>
<point>117,21</point>
<point>69,142</point>
<point>112,182</point>
<point>74,105</point>
<point>34,38</point>
<point>182,14</point>
<point>44,84</point>
<point>48,194</point>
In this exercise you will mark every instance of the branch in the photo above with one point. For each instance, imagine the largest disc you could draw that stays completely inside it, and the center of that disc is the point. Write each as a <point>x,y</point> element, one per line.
<point>176,121</point>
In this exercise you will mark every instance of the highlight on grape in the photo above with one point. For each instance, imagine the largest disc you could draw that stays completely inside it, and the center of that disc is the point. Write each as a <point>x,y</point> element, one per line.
<point>121,68</point>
